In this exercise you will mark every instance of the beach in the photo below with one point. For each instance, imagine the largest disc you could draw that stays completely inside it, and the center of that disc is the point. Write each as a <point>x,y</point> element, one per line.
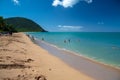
<point>59,40</point>
<point>21,59</point>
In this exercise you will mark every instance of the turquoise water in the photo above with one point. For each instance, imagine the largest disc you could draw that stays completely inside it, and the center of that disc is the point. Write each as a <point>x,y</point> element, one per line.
<point>100,46</point>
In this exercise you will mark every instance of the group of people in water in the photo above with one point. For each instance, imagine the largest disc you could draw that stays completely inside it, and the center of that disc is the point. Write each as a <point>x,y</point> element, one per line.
<point>69,40</point>
<point>65,41</point>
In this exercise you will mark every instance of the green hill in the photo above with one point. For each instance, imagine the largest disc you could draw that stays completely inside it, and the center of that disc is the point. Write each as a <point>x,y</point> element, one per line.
<point>24,25</point>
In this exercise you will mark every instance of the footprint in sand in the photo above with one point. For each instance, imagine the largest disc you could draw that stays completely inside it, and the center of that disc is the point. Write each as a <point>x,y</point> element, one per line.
<point>41,77</point>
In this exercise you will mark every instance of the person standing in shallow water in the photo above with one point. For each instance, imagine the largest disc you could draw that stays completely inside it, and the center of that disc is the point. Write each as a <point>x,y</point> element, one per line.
<point>69,40</point>
<point>42,39</point>
<point>65,41</point>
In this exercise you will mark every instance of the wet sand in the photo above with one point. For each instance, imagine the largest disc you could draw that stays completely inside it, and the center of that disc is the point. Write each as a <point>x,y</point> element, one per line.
<point>87,66</point>
<point>21,59</point>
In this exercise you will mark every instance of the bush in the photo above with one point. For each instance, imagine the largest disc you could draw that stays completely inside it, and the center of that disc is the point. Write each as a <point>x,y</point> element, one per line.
<point>6,27</point>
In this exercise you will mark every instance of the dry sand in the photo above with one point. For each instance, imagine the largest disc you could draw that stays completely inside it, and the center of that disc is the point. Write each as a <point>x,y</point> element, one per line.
<point>21,59</point>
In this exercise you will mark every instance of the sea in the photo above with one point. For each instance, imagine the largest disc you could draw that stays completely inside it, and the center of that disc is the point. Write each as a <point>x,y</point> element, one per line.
<point>103,47</point>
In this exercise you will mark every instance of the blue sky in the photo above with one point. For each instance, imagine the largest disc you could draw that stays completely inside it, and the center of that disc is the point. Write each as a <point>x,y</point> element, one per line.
<point>67,15</point>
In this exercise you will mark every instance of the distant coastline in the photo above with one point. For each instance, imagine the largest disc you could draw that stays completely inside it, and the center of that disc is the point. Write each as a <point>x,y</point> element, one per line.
<point>19,24</point>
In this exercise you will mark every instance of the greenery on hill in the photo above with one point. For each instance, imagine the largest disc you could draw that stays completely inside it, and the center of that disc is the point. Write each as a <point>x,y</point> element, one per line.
<point>24,25</point>
<point>6,27</point>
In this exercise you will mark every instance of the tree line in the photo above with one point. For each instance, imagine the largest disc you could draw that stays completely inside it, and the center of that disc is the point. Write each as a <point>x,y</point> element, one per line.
<point>4,27</point>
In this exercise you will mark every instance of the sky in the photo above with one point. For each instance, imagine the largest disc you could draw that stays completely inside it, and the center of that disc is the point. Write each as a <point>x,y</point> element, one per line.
<point>67,15</point>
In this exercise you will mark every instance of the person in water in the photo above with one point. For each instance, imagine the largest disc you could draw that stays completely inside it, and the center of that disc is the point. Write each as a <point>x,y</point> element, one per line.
<point>69,40</point>
<point>65,41</point>
<point>42,39</point>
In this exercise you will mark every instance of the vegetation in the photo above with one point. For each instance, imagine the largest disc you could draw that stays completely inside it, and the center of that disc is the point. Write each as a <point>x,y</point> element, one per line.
<point>24,25</point>
<point>19,24</point>
<point>6,27</point>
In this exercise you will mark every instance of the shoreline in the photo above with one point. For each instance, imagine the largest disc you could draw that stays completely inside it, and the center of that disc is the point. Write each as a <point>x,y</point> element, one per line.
<point>80,55</point>
<point>93,60</point>
<point>67,52</point>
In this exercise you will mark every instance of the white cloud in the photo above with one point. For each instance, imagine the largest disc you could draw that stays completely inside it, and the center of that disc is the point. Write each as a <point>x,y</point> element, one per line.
<point>88,1</point>
<point>68,3</point>
<point>69,28</point>
<point>56,3</point>
<point>16,2</point>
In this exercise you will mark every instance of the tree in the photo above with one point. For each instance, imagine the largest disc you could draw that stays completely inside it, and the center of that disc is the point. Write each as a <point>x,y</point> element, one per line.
<point>2,23</point>
<point>6,27</point>
<point>11,28</point>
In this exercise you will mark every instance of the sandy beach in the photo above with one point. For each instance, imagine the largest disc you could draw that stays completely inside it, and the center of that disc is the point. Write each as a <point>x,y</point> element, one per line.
<point>21,59</point>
